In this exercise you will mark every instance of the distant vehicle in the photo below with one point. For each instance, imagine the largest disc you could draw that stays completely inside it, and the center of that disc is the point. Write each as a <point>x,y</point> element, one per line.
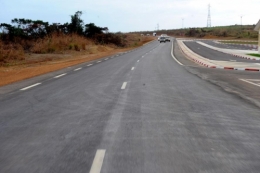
<point>154,34</point>
<point>167,38</point>
<point>162,39</point>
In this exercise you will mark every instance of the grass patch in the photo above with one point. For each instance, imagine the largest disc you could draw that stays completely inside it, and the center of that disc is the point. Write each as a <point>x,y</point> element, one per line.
<point>240,42</point>
<point>254,54</point>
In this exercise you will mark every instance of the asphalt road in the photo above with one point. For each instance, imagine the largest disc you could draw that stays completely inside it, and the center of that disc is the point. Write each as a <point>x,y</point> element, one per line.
<point>213,54</point>
<point>141,112</point>
<point>227,46</point>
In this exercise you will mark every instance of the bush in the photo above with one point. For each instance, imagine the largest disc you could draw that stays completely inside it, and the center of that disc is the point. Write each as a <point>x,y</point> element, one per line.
<point>60,42</point>
<point>9,53</point>
<point>110,38</point>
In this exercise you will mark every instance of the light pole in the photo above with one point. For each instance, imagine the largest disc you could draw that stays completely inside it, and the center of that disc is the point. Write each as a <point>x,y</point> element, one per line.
<point>241,20</point>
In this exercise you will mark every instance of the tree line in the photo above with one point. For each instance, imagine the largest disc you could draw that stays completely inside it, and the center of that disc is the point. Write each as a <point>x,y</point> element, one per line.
<point>27,29</point>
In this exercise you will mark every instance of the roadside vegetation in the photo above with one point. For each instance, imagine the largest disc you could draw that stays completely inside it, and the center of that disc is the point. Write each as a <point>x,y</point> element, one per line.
<point>244,32</point>
<point>23,38</point>
<point>240,42</point>
<point>254,54</point>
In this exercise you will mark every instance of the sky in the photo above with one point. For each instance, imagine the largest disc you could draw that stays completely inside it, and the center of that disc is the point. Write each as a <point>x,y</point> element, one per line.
<point>135,15</point>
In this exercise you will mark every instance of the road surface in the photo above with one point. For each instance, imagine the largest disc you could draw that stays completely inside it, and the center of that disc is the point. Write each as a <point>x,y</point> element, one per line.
<point>138,112</point>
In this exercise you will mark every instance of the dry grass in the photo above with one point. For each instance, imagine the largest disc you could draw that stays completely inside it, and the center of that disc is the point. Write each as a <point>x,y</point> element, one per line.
<point>10,53</point>
<point>57,43</point>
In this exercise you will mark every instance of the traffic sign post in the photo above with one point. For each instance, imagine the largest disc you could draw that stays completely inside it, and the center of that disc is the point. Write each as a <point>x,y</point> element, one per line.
<point>257,28</point>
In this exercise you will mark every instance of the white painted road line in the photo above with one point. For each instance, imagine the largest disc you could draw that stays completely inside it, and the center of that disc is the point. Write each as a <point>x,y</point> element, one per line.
<point>99,61</point>
<point>250,82</point>
<point>98,161</point>
<point>89,65</point>
<point>106,59</point>
<point>174,56</point>
<point>138,60</point>
<point>124,85</point>
<point>132,68</point>
<point>60,75</point>
<point>78,69</point>
<point>30,86</point>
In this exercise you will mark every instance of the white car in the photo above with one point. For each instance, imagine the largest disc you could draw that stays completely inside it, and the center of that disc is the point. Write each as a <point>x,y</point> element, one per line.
<point>162,39</point>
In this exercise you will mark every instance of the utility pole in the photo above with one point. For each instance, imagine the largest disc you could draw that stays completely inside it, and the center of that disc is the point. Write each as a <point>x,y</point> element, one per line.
<point>241,20</point>
<point>182,23</point>
<point>209,18</point>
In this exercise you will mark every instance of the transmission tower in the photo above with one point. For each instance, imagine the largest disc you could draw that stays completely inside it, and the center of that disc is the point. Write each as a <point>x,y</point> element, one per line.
<point>209,18</point>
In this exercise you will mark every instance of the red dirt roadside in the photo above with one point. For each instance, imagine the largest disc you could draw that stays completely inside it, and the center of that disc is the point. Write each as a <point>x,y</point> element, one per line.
<point>16,73</point>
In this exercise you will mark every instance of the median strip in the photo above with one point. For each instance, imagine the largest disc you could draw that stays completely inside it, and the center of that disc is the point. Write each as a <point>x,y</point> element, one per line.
<point>30,86</point>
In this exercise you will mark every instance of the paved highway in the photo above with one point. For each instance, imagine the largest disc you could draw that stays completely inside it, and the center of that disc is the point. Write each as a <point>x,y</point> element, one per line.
<point>227,46</point>
<point>138,112</point>
<point>213,54</point>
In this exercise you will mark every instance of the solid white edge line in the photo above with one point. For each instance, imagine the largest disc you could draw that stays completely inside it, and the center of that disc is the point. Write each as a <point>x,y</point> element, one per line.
<point>78,69</point>
<point>249,82</point>
<point>30,86</point>
<point>60,75</point>
<point>98,161</point>
<point>89,65</point>
<point>132,68</point>
<point>124,85</point>
<point>174,56</point>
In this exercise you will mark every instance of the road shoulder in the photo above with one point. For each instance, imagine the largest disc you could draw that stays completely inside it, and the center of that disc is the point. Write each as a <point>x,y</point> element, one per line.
<point>228,80</point>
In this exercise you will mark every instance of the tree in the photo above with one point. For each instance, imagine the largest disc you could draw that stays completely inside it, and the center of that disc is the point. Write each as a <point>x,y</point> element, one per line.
<point>91,29</point>
<point>76,25</point>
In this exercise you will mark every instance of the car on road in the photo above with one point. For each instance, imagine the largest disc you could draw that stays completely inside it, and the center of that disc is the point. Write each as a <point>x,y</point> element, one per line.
<point>162,39</point>
<point>167,38</point>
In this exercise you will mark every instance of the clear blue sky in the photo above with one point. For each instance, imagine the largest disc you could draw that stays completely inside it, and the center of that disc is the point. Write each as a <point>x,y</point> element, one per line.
<point>135,15</point>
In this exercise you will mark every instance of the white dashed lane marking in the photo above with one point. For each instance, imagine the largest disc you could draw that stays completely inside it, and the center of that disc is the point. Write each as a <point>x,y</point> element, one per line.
<point>89,65</point>
<point>138,60</point>
<point>98,161</point>
<point>124,85</point>
<point>30,86</point>
<point>78,69</point>
<point>60,75</point>
<point>99,61</point>
<point>132,68</point>
<point>106,59</point>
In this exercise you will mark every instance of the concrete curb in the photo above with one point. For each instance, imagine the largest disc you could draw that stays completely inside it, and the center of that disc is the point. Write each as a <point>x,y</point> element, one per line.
<point>196,58</point>
<point>204,61</point>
